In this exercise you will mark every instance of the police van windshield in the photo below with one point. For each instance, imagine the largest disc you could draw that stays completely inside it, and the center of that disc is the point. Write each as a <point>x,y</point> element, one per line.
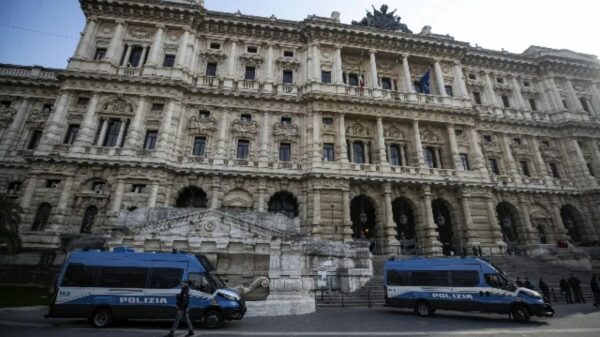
<point>205,282</point>
<point>500,282</point>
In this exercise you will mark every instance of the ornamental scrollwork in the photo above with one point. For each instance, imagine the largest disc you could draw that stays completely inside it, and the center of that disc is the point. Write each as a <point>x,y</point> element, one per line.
<point>357,129</point>
<point>251,59</point>
<point>521,149</point>
<point>212,55</point>
<point>288,63</point>
<point>39,116</point>
<point>199,124</point>
<point>428,135</point>
<point>285,130</point>
<point>118,106</point>
<point>394,132</point>
<point>549,151</point>
<point>244,128</point>
<point>6,115</point>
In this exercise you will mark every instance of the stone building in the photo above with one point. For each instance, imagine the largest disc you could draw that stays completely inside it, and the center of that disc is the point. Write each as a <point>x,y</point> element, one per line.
<point>414,141</point>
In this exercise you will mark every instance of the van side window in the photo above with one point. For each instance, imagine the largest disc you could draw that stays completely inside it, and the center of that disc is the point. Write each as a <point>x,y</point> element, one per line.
<point>122,277</point>
<point>430,278</point>
<point>165,278</point>
<point>398,278</point>
<point>466,278</point>
<point>77,275</point>
<point>199,281</point>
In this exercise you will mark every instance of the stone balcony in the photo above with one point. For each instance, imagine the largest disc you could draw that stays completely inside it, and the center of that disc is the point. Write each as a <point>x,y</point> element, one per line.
<point>512,113</point>
<point>35,72</point>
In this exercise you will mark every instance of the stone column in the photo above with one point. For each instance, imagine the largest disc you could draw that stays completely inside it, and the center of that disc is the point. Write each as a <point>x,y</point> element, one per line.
<point>581,164</point>
<point>476,148</point>
<point>542,169</point>
<point>182,122</point>
<point>390,232</point>
<point>494,226</point>
<point>15,126</point>
<point>316,63</point>
<point>454,148</point>
<point>83,49</point>
<point>559,230</point>
<point>403,159</point>
<point>459,81</point>
<point>517,93</point>
<point>555,94</point>
<point>122,128</point>
<point>469,230</point>
<point>153,195</point>
<point>373,69</point>
<point>65,195</point>
<point>125,62</point>
<point>337,66</point>
<point>112,53</point>
<point>545,96</point>
<point>28,192</point>
<point>316,223</point>
<point>118,197</point>
<point>381,141</point>
<point>264,137</point>
<point>418,146</point>
<point>223,126</point>
<point>215,188</point>
<point>269,77</point>
<point>342,148</point>
<point>157,46</point>
<point>347,225</point>
<point>53,131</point>
<point>595,93</point>
<point>438,158</point>
<point>428,240</point>
<point>137,124</point>
<point>574,102</point>
<point>232,59</point>
<point>104,123</point>
<point>408,85</point>
<point>88,125</point>
<point>528,231</point>
<point>262,186</point>
<point>489,90</point>
<point>512,165</point>
<point>439,77</point>
<point>165,130</point>
<point>143,56</point>
<point>316,133</point>
<point>182,49</point>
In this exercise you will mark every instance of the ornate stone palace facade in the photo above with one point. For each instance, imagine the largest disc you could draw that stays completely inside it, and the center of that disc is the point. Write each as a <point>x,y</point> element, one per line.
<point>167,104</point>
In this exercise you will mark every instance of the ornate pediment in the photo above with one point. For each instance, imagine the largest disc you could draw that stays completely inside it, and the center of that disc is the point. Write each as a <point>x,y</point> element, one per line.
<point>214,55</point>
<point>429,136</point>
<point>6,115</point>
<point>383,20</point>
<point>288,63</point>
<point>521,149</point>
<point>251,59</point>
<point>39,116</point>
<point>118,106</point>
<point>198,125</point>
<point>140,33</point>
<point>357,129</point>
<point>244,128</point>
<point>285,130</point>
<point>549,151</point>
<point>393,132</point>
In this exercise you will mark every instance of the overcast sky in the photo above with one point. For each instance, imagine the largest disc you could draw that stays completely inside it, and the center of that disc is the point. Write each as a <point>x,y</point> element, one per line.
<point>45,32</point>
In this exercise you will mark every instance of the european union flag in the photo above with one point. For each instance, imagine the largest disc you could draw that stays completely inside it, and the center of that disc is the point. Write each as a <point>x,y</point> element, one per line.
<point>424,83</point>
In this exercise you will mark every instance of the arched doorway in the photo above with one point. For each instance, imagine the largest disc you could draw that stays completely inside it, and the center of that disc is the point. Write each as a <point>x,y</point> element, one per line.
<point>41,217</point>
<point>441,217</point>
<point>541,220</point>
<point>191,197</point>
<point>285,203</point>
<point>362,214</point>
<point>88,219</point>
<point>573,222</point>
<point>507,219</point>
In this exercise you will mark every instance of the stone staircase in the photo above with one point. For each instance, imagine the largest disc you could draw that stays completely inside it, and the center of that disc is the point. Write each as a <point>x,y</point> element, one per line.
<point>369,295</point>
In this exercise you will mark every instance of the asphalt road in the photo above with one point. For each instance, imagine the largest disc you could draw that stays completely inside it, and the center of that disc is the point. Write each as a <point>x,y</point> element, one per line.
<point>570,320</point>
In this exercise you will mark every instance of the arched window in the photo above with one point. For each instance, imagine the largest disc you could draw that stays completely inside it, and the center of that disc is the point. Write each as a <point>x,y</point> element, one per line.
<point>41,217</point>
<point>284,203</point>
<point>191,197</point>
<point>88,219</point>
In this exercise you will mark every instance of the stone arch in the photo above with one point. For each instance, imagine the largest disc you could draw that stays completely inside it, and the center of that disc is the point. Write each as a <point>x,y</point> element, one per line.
<point>191,196</point>
<point>442,216</point>
<point>285,203</point>
<point>89,217</point>
<point>541,221</point>
<point>41,217</point>
<point>404,214</point>
<point>573,221</point>
<point>365,226</point>
<point>237,198</point>
<point>510,221</point>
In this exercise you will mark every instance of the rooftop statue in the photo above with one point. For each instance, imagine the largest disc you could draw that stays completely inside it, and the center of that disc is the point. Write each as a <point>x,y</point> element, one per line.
<point>383,20</point>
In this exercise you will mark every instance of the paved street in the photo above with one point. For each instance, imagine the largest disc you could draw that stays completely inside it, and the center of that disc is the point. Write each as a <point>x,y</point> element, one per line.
<point>573,320</point>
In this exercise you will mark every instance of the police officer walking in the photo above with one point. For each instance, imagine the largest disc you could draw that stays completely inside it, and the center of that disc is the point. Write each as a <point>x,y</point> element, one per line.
<point>183,302</point>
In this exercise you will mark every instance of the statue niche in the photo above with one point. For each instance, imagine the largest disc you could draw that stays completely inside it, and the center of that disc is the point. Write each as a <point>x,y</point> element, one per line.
<point>383,20</point>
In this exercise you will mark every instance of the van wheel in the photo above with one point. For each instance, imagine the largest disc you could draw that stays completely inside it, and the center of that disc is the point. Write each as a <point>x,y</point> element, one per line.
<point>423,309</point>
<point>520,314</point>
<point>101,318</point>
<point>212,319</point>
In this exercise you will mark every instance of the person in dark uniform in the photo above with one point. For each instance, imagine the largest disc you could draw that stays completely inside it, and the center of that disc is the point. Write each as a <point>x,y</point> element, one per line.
<point>565,289</point>
<point>575,284</point>
<point>596,291</point>
<point>545,290</point>
<point>183,302</point>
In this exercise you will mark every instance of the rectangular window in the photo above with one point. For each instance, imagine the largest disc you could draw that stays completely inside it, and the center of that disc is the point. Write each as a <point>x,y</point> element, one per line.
<point>500,80</point>
<point>532,104</point>
<point>138,188</point>
<point>288,53</point>
<point>199,146</point>
<point>430,278</point>
<point>464,161</point>
<point>386,83</point>
<point>204,114</point>
<point>286,120</point>
<point>398,278</point>
<point>246,118</point>
<point>353,80</point>
<point>252,49</point>
<point>326,76</point>
<point>211,69</point>
<point>591,170</point>
<point>517,141</point>
<point>584,104</point>
<point>526,84</point>
<point>14,186</point>
<point>121,277</point>
<point>98,187</point>
<point>112,132</point>
<point>150,141</point>
<point>100,53</point>
<point>83,101</point>
<point>449,91</point>
<point>52,183</point>
<point>215,45</point>
<point>169,61</point>
<point>564,102</point>
<point>493,163</point>
<point>327,121</point>
<point>288,77</point>
<point>505,101</point>
<point>464,278</point>
<point>554,170</point>
<point>71,135</point>
<point>472,77</point>
<point>165,278</point>
<point>487,138</point>
<point>78,275</point>
<point>285,151</point>
<point>135,58</point>
<point>250,73</point>
<point>6,104</point>
<point>477,97</point>
<point>395,155</point>
<point>243,149</point>
<point>359,152</point>
<point>47,107</point>
<point>328,152</point>
<point>524,168</point>
<point>157,108</point>
<point>34,140</point>
<point>430,160</point>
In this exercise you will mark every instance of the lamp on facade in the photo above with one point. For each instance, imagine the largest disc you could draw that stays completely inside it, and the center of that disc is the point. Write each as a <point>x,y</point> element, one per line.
<point>506,221</point>
<point>362,217</point>
<point>402,217</point>
<point>569,223</point>
<point>439,219</point>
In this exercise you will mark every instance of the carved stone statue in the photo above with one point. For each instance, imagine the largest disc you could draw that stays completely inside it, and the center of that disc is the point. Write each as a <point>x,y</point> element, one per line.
<point>383,20</point>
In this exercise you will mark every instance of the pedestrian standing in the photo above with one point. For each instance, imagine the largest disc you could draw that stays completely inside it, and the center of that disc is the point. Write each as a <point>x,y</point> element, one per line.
<point>519,282</point>
<point>575,284</point>
<point>565,289</point>
<point>183,302</point>
<point>596,291</point>
<point>545,290</point>
<point>528,284</point>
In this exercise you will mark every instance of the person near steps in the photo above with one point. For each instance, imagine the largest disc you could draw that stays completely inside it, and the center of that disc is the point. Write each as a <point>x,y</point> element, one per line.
<point>183,302</point>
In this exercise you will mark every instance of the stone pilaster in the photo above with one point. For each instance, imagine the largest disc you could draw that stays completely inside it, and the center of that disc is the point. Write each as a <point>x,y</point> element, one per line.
<point>56,122</point>
<point>510,160</point>
<point>406,78</point>
<point>337,66</point>
<point>166,127</point>
<point>391,244</point>
<point>527,233</point>
<point>265,132</point>
<point>373,69</point>
<point>478,157</point>
<point>156,51</point>
<point>316,230</point>
<point>316,138</point>
<point>559,230</point>
<point>342,146</point>
<point>153,194</point>
<point>215,190</point>
<point>88,125</point>
<point>459,81</point>
<point>231,65</point>
<point>381,142</point>
<point>11,136</point>
<point>454,148</point>
<point>439,77</point>
<point>347,225</point>
<point>182,51</point>
<point>490,94</point>
<point>316,63</point>
<point>118,197</point>
<point>262,186</point>
<point>494,226</point>
<point>470,234</point>
<point>572,98</point>
<point>417,144</point>
<point>83,48</point>
<point>103,127</point>
<point>222,131</point>
<point>65,195</point>
<point>542,169</point>
<point>27,195</point>
<point>595,93</point>
<point>517,93</point>
<point>114,46</point>
<point>136,128</point>
<point>269,77</point>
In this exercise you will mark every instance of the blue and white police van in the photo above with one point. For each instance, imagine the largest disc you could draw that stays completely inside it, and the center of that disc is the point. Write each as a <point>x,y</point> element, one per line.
<point>105,286</point>
<point>463,284</point>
